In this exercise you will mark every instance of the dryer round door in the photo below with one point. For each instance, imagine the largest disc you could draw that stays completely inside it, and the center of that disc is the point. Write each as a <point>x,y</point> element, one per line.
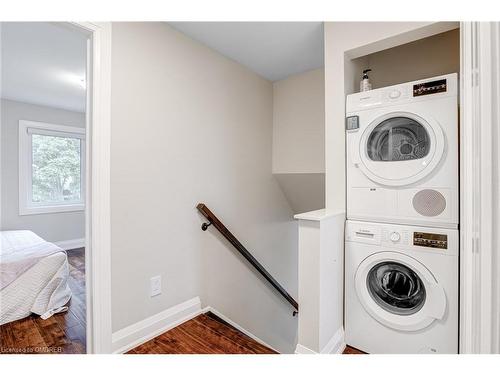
<point>400,148</point>
<point>399,291</point>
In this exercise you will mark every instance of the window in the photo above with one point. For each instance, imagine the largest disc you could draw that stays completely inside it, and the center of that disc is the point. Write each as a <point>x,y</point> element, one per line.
<point>51,168</point>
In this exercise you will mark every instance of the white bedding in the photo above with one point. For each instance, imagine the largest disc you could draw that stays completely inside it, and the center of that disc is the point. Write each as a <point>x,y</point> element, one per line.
<point>34,276</point>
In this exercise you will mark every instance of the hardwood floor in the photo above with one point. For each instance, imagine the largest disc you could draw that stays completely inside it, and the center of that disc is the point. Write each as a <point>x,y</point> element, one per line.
<point>205,334</point>
<point>208,334</point>
<point>351,350</point>
<point>65,332</point>
<point>61,333</point>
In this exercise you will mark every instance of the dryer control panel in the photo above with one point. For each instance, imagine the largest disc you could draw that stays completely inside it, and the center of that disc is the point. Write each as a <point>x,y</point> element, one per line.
<point>429,87</point>
<point>416,91</point>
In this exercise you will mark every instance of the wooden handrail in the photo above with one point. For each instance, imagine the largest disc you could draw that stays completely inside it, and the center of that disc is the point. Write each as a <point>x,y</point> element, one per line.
<point>213,220</point>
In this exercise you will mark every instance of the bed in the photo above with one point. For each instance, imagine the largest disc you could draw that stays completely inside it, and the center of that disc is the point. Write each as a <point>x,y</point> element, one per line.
<point>33,276</point>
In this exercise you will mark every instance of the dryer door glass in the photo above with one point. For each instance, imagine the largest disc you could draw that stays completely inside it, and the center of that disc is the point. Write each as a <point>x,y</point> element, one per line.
<point>396,288</point>
<point>398,139</point>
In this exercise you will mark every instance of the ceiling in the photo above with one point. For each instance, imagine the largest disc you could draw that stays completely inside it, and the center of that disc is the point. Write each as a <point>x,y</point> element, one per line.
<point>274,50</point>
<point>44,63</point>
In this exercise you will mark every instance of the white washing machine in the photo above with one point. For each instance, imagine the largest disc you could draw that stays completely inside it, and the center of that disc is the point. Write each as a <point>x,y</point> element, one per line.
<point>402,153</point>
<point>401,288</point>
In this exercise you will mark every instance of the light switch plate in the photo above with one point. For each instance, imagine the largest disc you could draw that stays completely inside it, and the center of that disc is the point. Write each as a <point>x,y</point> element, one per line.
<point>155,286</point>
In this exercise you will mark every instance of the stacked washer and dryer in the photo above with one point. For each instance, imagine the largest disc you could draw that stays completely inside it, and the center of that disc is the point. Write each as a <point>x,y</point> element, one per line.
<point>401,253</point>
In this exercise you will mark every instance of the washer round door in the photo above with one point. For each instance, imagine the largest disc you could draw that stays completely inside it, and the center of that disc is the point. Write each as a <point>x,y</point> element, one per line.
<point>400,148</point>
<point>399,291</point>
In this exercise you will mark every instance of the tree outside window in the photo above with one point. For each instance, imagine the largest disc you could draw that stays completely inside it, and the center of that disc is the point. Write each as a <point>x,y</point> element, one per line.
<point>51,168</point>
<point>56,169</point>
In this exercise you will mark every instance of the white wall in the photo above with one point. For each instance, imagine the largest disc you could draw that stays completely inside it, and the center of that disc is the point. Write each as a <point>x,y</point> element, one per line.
<point>304,191</point>
<point>189,126</point>
<point>299,123</point>
<point>299,139</point>
<point>52,227</point>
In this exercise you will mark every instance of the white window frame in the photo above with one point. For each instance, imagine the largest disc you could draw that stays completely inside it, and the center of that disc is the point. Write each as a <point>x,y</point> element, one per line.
<point>26,130</point>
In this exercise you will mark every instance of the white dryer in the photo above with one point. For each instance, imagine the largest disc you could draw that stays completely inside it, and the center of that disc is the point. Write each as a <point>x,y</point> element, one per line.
<point>402,153</point>
<point>401,288</point>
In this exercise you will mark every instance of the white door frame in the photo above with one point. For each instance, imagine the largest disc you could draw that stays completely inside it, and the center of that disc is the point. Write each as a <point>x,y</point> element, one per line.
<point>98,212</point>
<point>480,87</point>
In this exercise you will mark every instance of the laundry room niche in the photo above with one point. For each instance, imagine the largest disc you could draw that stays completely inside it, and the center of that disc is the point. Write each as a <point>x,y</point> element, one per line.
<point>436,55</point>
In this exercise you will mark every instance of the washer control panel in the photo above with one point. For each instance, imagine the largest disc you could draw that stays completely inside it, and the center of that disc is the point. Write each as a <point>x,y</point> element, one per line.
<point>396,236</point>
<point>403,237</point>
<point>439,241</point>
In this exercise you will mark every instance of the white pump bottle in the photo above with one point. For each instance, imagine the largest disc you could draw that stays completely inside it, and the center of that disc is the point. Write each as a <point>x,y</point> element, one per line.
<point>365,84</point>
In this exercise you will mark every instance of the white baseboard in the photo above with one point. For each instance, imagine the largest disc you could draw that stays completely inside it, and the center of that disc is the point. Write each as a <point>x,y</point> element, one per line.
<point>238,327</point>
<point>71,244</point>
<point>301,349</point>
<point>335,345</point>
<point>145,330</point>
<point>149,328</point>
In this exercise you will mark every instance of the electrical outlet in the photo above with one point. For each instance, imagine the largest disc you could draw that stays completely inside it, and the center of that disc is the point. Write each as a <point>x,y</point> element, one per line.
<point>155,284</point>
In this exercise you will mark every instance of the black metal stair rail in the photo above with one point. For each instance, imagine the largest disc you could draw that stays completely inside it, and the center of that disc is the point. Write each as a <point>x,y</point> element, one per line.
<point>213,220</point>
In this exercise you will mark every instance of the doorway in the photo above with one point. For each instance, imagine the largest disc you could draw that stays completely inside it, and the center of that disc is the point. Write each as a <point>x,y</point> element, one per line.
<point>72,92</point>
<point>44,190</point>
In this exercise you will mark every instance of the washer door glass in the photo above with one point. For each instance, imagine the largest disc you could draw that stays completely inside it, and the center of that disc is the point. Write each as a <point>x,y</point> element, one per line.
<point>397,139</point>
<point>396,288</point>
<point>398,291</point>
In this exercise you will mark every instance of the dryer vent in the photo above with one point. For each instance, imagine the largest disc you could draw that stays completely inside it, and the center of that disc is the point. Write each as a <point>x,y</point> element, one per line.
<point>429,202</point>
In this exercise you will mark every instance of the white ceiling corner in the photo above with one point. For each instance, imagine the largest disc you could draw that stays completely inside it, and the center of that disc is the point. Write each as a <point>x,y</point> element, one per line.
<point>274,50</point>
<point>44,63</point>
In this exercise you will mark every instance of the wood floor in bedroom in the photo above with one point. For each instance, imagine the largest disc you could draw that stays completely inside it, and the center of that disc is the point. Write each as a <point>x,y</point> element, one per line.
<point>61,333</point>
